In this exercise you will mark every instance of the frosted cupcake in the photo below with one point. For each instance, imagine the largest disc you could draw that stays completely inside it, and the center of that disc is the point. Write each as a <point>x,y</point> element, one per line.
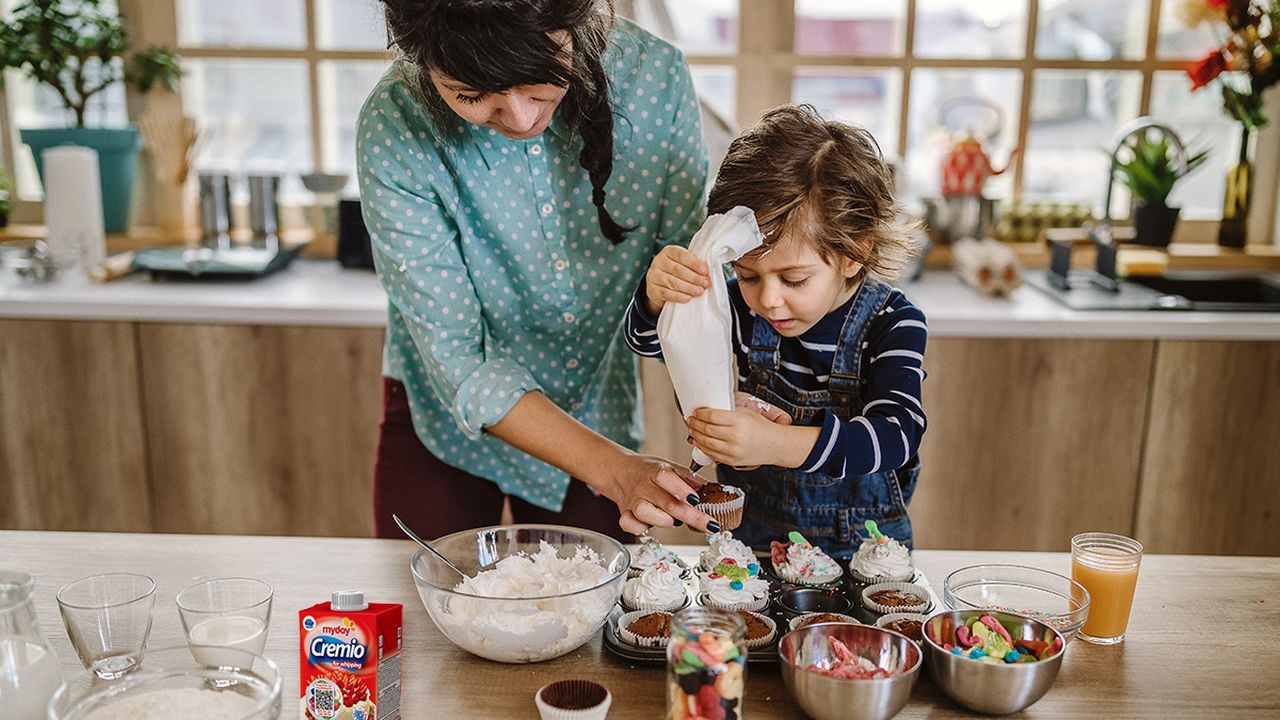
<point>803,563</point>
<point>652,553</point>
<point>880,559</point>
<point>730,586</point>
<point>658,588</point>
<point>723,546</point>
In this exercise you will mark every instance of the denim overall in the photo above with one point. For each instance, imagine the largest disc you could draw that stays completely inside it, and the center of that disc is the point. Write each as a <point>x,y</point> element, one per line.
<point>828,511</point>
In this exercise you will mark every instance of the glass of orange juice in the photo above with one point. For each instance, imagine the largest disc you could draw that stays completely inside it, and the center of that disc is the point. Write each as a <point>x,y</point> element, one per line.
<point>1107,565</point>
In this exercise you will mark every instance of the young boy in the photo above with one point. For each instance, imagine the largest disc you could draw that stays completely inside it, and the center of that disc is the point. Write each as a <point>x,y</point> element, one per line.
<point>817,334</point>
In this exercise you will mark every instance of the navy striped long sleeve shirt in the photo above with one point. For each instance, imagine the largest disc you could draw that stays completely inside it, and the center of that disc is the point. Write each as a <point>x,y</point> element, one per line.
<point>886,434</point>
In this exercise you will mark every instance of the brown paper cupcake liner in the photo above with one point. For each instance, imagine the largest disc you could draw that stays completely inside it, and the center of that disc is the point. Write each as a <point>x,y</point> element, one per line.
<point>573,700</point>
<point>877,608</point>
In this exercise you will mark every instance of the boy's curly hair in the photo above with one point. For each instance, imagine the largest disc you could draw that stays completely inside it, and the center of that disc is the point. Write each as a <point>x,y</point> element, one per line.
<point>819,181</point>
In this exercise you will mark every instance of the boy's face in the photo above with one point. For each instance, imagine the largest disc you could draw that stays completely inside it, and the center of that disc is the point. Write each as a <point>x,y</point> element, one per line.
<point>792,287</point>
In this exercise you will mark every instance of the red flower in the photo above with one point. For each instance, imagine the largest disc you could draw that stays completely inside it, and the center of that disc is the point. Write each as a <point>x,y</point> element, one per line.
<point>1207,69</point>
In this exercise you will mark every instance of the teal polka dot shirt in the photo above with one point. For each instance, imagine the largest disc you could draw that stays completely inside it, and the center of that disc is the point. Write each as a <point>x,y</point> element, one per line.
<point>499,279</point>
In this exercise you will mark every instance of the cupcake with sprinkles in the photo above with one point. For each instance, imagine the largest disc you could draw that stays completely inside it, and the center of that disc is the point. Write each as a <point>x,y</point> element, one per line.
<point>801,562</point>
<point>658,588</point>
<point>730,586</point>
<point>652,553</point>
<point>723,546</point>
<point>880,559</point>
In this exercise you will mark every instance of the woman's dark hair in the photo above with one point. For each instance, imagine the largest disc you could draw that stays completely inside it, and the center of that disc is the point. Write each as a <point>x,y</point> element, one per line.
<point>818,181</point>
<point>493,45</point>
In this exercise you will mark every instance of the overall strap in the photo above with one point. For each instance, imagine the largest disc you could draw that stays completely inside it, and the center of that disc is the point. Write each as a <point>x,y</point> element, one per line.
<point>763,356</point>
<point>846,368</point>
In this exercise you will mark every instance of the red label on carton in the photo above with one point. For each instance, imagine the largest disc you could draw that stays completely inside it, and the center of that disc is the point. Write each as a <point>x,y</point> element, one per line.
<point>350,662</point>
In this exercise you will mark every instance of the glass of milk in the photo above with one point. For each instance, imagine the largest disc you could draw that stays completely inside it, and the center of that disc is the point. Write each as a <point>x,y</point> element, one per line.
<point>108,619</point>
<point>226,620</point>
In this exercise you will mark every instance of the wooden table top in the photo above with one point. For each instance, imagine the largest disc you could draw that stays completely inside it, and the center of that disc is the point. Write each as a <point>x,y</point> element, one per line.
<point>1202,641</point>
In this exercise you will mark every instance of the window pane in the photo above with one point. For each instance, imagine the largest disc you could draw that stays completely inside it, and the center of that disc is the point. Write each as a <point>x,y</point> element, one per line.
<point>1074,117</point>
<point>928,136</point>
<point>1177,40</point>
<point>717,86</point>
<point>1201,123</point>
<point>242,23</point>
<point>706,27</point>
<point>343,89</point>
<point>851,27</point>
<point>253,115</point>
<point>967,29</point>
<point>868,97</point>
<point>350,25</point>
<point>1092,30</point>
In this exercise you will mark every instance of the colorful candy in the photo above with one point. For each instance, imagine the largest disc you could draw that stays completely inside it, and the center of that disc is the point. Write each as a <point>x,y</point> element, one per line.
<point>985,639</point>
<point>706,674</point>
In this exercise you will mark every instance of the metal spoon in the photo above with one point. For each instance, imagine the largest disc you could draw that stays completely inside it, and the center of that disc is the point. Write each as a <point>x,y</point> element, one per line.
<point>414,536</point>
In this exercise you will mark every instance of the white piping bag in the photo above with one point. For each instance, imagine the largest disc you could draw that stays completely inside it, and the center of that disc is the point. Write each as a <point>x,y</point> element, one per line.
<point>696,336</point>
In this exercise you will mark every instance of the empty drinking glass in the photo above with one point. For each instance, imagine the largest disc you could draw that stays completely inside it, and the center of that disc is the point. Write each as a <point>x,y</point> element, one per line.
<point>108,619</point>
<point>224,617</point>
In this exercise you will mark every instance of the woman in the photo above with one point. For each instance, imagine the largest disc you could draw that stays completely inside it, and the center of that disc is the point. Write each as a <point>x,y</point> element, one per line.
<point>519,166</point>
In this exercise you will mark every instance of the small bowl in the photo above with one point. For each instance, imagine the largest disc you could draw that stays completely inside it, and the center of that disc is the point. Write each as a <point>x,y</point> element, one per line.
<point>172,668</point>
<point>828,698</point>
<point>987,688</point>
<point>1054,599</point>
<point>517,630</point>
<point>800,601</point>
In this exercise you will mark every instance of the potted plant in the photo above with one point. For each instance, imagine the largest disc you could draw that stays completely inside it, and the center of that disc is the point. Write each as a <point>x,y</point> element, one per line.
<point>1150,172</point>
<point>79,50</point>
<point>6,205</point>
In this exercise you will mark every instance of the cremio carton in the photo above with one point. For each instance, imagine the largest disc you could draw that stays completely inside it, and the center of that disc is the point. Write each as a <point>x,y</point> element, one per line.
<point>350,659</point>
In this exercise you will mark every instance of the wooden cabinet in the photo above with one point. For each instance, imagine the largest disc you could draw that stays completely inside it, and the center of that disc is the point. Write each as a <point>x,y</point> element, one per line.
<point>72,436</point>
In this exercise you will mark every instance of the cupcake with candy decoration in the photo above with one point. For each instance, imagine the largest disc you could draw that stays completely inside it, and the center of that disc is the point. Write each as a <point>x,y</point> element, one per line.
<point>730,586</point>
<point>880,559</point>
<point>652,553</point>
<point>658,588</point>
<point>723,546</point>
<point>803,563</point>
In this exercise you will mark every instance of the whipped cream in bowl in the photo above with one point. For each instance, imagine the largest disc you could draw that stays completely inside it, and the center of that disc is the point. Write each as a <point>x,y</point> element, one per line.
<point>532,592</point>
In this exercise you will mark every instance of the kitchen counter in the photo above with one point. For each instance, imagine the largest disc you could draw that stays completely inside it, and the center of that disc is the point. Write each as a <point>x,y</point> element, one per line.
<point>321,293</point>
<point>1199,644</point>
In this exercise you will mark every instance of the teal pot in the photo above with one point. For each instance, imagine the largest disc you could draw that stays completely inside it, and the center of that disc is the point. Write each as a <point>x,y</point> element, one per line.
<point>1153,224</point>
<point>117,164</point>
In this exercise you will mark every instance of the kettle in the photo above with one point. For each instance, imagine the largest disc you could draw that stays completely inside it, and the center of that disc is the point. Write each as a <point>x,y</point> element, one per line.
<point>966,165</point>
<point>29,671</point>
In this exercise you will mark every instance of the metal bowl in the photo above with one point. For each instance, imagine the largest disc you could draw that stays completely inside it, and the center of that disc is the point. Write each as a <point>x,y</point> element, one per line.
<point>827,698</point>
<point>799,601</point>
<point>988,688</point>
<point>1055,599</point>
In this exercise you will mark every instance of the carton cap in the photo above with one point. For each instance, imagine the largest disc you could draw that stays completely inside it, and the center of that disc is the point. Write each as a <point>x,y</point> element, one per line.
<point>347,600</point>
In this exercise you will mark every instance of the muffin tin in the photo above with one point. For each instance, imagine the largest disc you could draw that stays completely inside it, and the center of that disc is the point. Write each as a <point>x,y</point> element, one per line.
<point>800,598</point>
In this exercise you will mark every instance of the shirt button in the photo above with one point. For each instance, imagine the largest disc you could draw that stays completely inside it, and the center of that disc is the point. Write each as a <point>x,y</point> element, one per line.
<point>546,209</point>
<point>535,149</point>
<point>571,363</point>
<point>561,264</point>
<point>569,317</point>
<point>576,406</point>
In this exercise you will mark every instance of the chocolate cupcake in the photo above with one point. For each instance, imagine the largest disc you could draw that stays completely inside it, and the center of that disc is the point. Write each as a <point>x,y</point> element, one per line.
<point>820,617</point>
<point>909,624</point>
<point>722,502</point>
<point>573,700</point>
<point>895,597</point>
<point>644,628</point>
<point>761,630</point>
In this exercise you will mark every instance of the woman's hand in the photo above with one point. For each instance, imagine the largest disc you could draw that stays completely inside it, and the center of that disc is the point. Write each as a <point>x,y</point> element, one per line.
<point>745,437</point>
<point>652,492</point>
<point>675,275</point>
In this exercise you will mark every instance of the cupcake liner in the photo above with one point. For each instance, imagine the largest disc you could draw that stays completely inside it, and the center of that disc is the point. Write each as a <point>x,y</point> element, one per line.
<point>633,639</point>
<point>798,620</point>
<point>884,620</point>
<point>787,574</point>
<point>654,607</point>
<point>727,513</point>
<point>864,580</point>
<point>912,588</point>
<point>753,606</point>
<point>773,631</point>
<point>573,700</point>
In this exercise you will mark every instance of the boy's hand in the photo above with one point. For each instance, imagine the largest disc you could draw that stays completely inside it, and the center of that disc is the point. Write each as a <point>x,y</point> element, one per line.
<point>747,401</point>
<point>675,275</point>
<point>744,438</point>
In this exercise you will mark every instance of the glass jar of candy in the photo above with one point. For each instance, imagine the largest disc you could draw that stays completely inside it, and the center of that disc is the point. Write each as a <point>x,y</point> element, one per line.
<point>706,664</point>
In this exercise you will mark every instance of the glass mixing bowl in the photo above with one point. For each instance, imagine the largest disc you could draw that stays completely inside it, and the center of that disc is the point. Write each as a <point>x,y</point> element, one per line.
<point>517,629</point>
<point>1053,599</point>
